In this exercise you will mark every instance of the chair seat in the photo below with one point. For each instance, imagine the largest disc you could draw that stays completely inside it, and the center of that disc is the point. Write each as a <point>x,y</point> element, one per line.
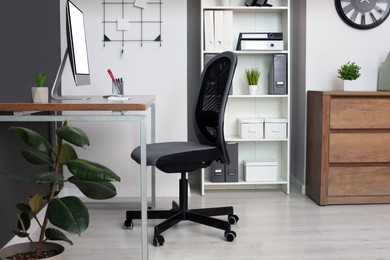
<point>174,157</point>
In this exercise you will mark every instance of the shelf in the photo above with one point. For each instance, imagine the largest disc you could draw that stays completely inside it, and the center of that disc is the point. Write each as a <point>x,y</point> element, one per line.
<point>258,96</point>
<point>238,139</point>
<point>280,180</point>
<point>246,9</point>
<point>247,52</point>
<point>240,104</point>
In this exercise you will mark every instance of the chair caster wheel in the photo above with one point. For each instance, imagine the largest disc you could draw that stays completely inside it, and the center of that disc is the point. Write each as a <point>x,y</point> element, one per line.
<point>128,224</point>
<point>230,235</point>
<point>158,240</point>
<point>233,219</point>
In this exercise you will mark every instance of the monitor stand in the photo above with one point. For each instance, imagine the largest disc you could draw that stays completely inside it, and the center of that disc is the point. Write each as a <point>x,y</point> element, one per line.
<point>56,89</point>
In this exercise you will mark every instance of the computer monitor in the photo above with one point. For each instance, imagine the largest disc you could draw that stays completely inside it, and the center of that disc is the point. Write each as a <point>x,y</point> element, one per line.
<point>76,51</point>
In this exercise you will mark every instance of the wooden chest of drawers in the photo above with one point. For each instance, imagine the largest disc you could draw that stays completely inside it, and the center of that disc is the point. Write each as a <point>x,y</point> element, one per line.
<point>348,147</point>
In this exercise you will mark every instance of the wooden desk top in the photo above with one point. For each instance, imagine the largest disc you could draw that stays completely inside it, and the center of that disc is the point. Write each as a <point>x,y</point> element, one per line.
<point>135,103</point>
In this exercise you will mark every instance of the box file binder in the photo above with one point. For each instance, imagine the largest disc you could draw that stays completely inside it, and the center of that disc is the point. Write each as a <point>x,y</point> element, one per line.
<point>260,41</point>
<point>256,3</point>
<point>277,81</point>
<point>226,173</point>
<point>228,30</point>
<point>231,170</point>
<point>217,172</point>
<point>218,30</point>
<point>209,30</point>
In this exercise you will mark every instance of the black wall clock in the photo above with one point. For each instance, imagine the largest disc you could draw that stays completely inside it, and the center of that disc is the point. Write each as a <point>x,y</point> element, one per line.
<point>363,14</point>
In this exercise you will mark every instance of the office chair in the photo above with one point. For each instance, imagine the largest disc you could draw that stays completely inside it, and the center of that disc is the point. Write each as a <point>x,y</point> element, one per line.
<point>184,157</point>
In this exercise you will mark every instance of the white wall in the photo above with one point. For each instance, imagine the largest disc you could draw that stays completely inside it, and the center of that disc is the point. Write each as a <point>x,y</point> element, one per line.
<point>329,44</point>
<point>152,70</point>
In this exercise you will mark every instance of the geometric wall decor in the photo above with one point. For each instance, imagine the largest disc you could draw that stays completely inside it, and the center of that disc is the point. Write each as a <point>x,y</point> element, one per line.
<point>136,21</point>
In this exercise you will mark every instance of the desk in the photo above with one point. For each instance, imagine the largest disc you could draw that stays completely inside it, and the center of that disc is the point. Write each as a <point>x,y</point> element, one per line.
<point>24,112</point>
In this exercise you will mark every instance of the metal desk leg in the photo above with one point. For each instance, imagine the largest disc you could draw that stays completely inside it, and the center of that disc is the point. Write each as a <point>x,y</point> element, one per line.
<point>144,194</point>
<point>153,140</point>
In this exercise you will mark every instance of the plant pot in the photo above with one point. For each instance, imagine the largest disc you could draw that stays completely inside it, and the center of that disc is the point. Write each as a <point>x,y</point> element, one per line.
<point>225,2</point>
<point>40,94</point>
<point>252,89</point>
<point>349,85</point>
<point>28,247</point>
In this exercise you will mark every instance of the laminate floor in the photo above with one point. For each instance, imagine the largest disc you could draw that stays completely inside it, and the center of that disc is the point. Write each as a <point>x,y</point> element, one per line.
<point>272,225</point>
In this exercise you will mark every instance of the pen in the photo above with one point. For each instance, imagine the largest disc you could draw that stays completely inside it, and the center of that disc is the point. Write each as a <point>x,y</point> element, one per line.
<point>111,75</point>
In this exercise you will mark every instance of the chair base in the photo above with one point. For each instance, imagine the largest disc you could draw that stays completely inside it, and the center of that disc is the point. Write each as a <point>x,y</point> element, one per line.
<point>180,212</point>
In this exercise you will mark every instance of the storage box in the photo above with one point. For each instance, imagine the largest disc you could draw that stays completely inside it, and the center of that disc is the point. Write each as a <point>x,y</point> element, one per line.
<point>261,171</point>
<point>275,128</point>
<point>251,128</point>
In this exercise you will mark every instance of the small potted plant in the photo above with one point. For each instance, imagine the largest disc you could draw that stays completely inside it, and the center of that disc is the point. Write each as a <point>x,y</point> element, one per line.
<point>66,213</point>
<point>252,77</point>
<point>40,93</point>
<point>349,72</point>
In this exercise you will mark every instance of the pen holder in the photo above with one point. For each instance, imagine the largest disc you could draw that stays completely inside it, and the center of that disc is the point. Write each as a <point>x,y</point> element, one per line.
<point>117,87</point>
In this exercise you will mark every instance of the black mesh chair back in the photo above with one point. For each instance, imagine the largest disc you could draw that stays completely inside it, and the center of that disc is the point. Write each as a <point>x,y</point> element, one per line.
<point>216,82</point>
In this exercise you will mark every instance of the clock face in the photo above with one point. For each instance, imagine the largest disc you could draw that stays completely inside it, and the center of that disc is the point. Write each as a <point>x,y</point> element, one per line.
<point>363,14</point>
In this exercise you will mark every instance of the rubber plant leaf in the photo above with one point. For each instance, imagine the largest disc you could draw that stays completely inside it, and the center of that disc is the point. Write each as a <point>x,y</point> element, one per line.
<point>73,135</point>
<point>24,223</point>
<point>94,190</point>
<point>31,138</point>
<point>36,157</point>
<point>48,177</point>
<point>69,213</point>
<point>21,233</point>
<point>35,202</point>
<point>56,235</point>
<point>16,176</point>
<point>67,153</point>
<point>91,171</point>
<point>23,207</point>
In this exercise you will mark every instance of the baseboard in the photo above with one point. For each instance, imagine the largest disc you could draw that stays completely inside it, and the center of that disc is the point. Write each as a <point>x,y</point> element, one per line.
<point>298,184</point>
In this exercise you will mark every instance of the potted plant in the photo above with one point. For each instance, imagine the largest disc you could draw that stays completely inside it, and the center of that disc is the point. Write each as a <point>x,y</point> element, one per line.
<point>40,93</point>
<point>349,72</point>
<point>252,77</point>
<point>67,213</point>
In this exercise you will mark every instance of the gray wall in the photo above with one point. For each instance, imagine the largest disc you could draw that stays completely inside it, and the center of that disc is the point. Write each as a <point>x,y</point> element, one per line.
<point>30,43</point>
<point>193,60</point>
<point>193,73</point>
<point>298,95</point>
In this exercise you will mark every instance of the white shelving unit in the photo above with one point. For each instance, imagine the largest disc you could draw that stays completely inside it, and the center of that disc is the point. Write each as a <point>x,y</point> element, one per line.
<point>241,104</point>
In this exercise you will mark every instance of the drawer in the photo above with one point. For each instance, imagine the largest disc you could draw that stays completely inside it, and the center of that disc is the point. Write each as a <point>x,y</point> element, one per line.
<point>359,147</point>
<point>359,113</point>
<point>359,181</point>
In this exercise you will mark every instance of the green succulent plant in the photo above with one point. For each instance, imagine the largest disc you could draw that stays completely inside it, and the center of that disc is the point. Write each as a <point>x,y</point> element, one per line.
<point>252,76</point>
<point>349,71</point>
<point>67,213</point>
<point>40,79</point>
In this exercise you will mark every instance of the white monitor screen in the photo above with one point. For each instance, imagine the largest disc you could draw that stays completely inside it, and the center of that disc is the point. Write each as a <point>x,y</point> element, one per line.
<point>78,39</point>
